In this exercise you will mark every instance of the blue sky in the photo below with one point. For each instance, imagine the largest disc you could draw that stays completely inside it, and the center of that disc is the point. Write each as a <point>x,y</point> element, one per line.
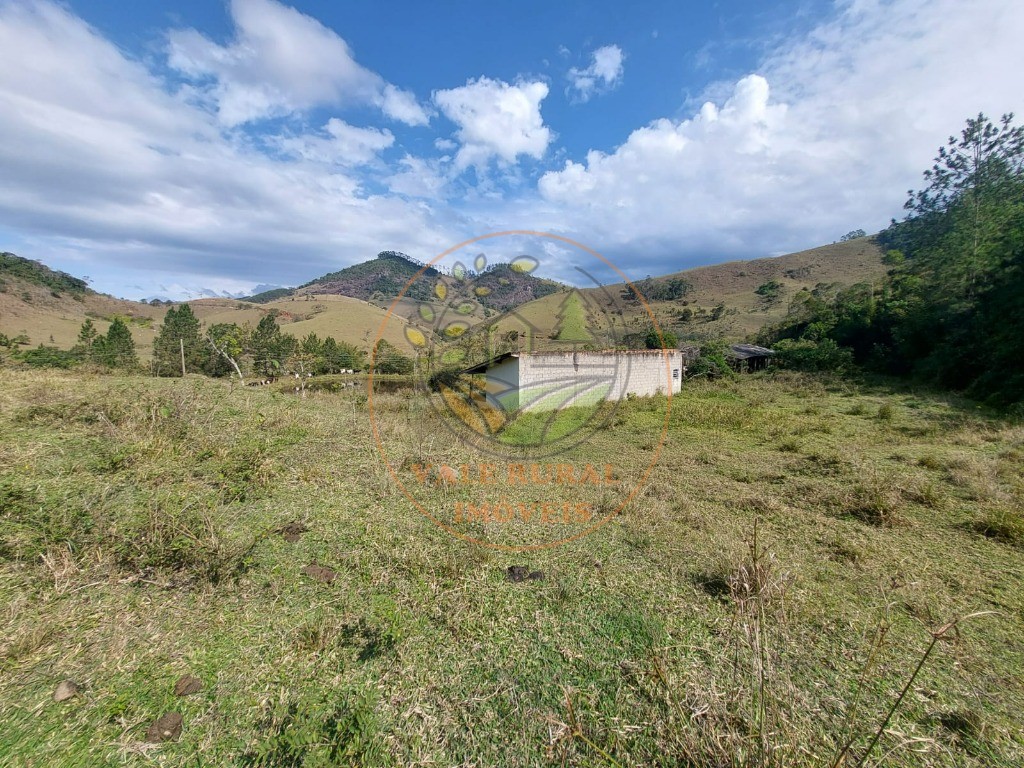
<point>170,148</point>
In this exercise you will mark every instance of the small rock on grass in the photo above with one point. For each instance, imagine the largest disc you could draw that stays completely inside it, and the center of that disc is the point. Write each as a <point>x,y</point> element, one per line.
<point>320,573</point>
<point>292,532</point>
<point>522,573</point>
<point>66,689</point>
<point>187,685</point>
<point>164,728</point>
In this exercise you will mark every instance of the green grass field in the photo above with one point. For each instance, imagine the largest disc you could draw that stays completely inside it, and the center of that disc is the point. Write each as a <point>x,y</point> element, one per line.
<point>763,601</point>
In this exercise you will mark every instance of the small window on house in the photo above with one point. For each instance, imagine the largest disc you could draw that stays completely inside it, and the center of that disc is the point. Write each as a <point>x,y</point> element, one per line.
<point>675,373</point>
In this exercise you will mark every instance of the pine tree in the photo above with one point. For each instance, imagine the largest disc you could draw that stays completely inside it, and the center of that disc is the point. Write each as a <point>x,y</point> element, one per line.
<point>329,356</point>
<point>180,327</point>
<point>269,347</point>
<point>87,333</point>
<point>340,356</point>
<point>311,345</point>
<point>117,348</point>
<point>86,339</point>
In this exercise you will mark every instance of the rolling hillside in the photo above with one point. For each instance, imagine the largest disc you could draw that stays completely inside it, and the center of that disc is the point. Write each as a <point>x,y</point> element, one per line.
<point>380,280</point>
<point>732,300</point>
<point>344,318</point>
<point>49,307</point>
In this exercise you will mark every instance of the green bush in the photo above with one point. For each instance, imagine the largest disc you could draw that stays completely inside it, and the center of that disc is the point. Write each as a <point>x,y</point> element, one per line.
<point>48,357</point>
<point>663,340</point>
<point>711,362</point>
<point>389,360</point>
<point>769,290</point>
<point>806,355</point>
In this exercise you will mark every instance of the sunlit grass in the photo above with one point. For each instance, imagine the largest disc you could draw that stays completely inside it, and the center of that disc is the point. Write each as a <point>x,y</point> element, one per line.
<point>140,542</point>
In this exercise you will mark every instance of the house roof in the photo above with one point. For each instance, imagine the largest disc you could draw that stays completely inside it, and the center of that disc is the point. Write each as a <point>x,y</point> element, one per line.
<point>745,351</point>
<point>482,367</point>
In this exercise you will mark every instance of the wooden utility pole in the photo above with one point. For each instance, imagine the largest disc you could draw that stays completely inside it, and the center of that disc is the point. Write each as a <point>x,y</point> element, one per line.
<point>181,343</point>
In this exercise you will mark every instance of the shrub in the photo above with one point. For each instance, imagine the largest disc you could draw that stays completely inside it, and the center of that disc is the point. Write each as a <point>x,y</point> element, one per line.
<point>770,290</point>
<point>805,355</point>
<point>185,539</point>
<point>49,357</point>
<point>711,362</point>
<point>389,360</point>
<point>664,340</point>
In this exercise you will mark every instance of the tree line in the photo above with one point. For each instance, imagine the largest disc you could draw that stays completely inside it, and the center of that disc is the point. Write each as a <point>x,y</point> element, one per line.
<point>227,349</point>
<point>114,349</point>
<point>951,308</point>
<point>182,346</point>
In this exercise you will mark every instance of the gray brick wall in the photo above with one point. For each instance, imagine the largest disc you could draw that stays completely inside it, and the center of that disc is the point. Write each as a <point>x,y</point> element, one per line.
<point>582,377</point>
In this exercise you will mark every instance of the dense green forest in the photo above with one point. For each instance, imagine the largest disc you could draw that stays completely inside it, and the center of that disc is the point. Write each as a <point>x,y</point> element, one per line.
<point>33,272</point>
<point>951,310</point>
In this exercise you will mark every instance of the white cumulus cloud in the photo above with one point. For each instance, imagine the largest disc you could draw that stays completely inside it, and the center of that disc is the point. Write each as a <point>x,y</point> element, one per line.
<point>603,74</point>
<point>109,169</point>
<point>825,138</point>
<point>402,106</point>
<point>107,174</point>
<point>418,178</point>
<point>496,119</point>
<point>281,61</point>
<point>342,144</point>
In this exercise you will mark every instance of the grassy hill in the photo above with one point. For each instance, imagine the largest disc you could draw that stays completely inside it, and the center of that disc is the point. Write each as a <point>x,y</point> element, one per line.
<point>49,307</point>
<point>343,317</point>
<point>732,300</point>
<point>380,280</point>
<point>741,288</point>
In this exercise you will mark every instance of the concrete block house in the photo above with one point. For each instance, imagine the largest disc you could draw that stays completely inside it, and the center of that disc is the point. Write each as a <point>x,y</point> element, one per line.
<point>538,381</point>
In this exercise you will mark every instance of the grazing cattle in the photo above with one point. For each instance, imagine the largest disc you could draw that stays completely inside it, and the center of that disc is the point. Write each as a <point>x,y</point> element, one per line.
<point>299,376</point>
